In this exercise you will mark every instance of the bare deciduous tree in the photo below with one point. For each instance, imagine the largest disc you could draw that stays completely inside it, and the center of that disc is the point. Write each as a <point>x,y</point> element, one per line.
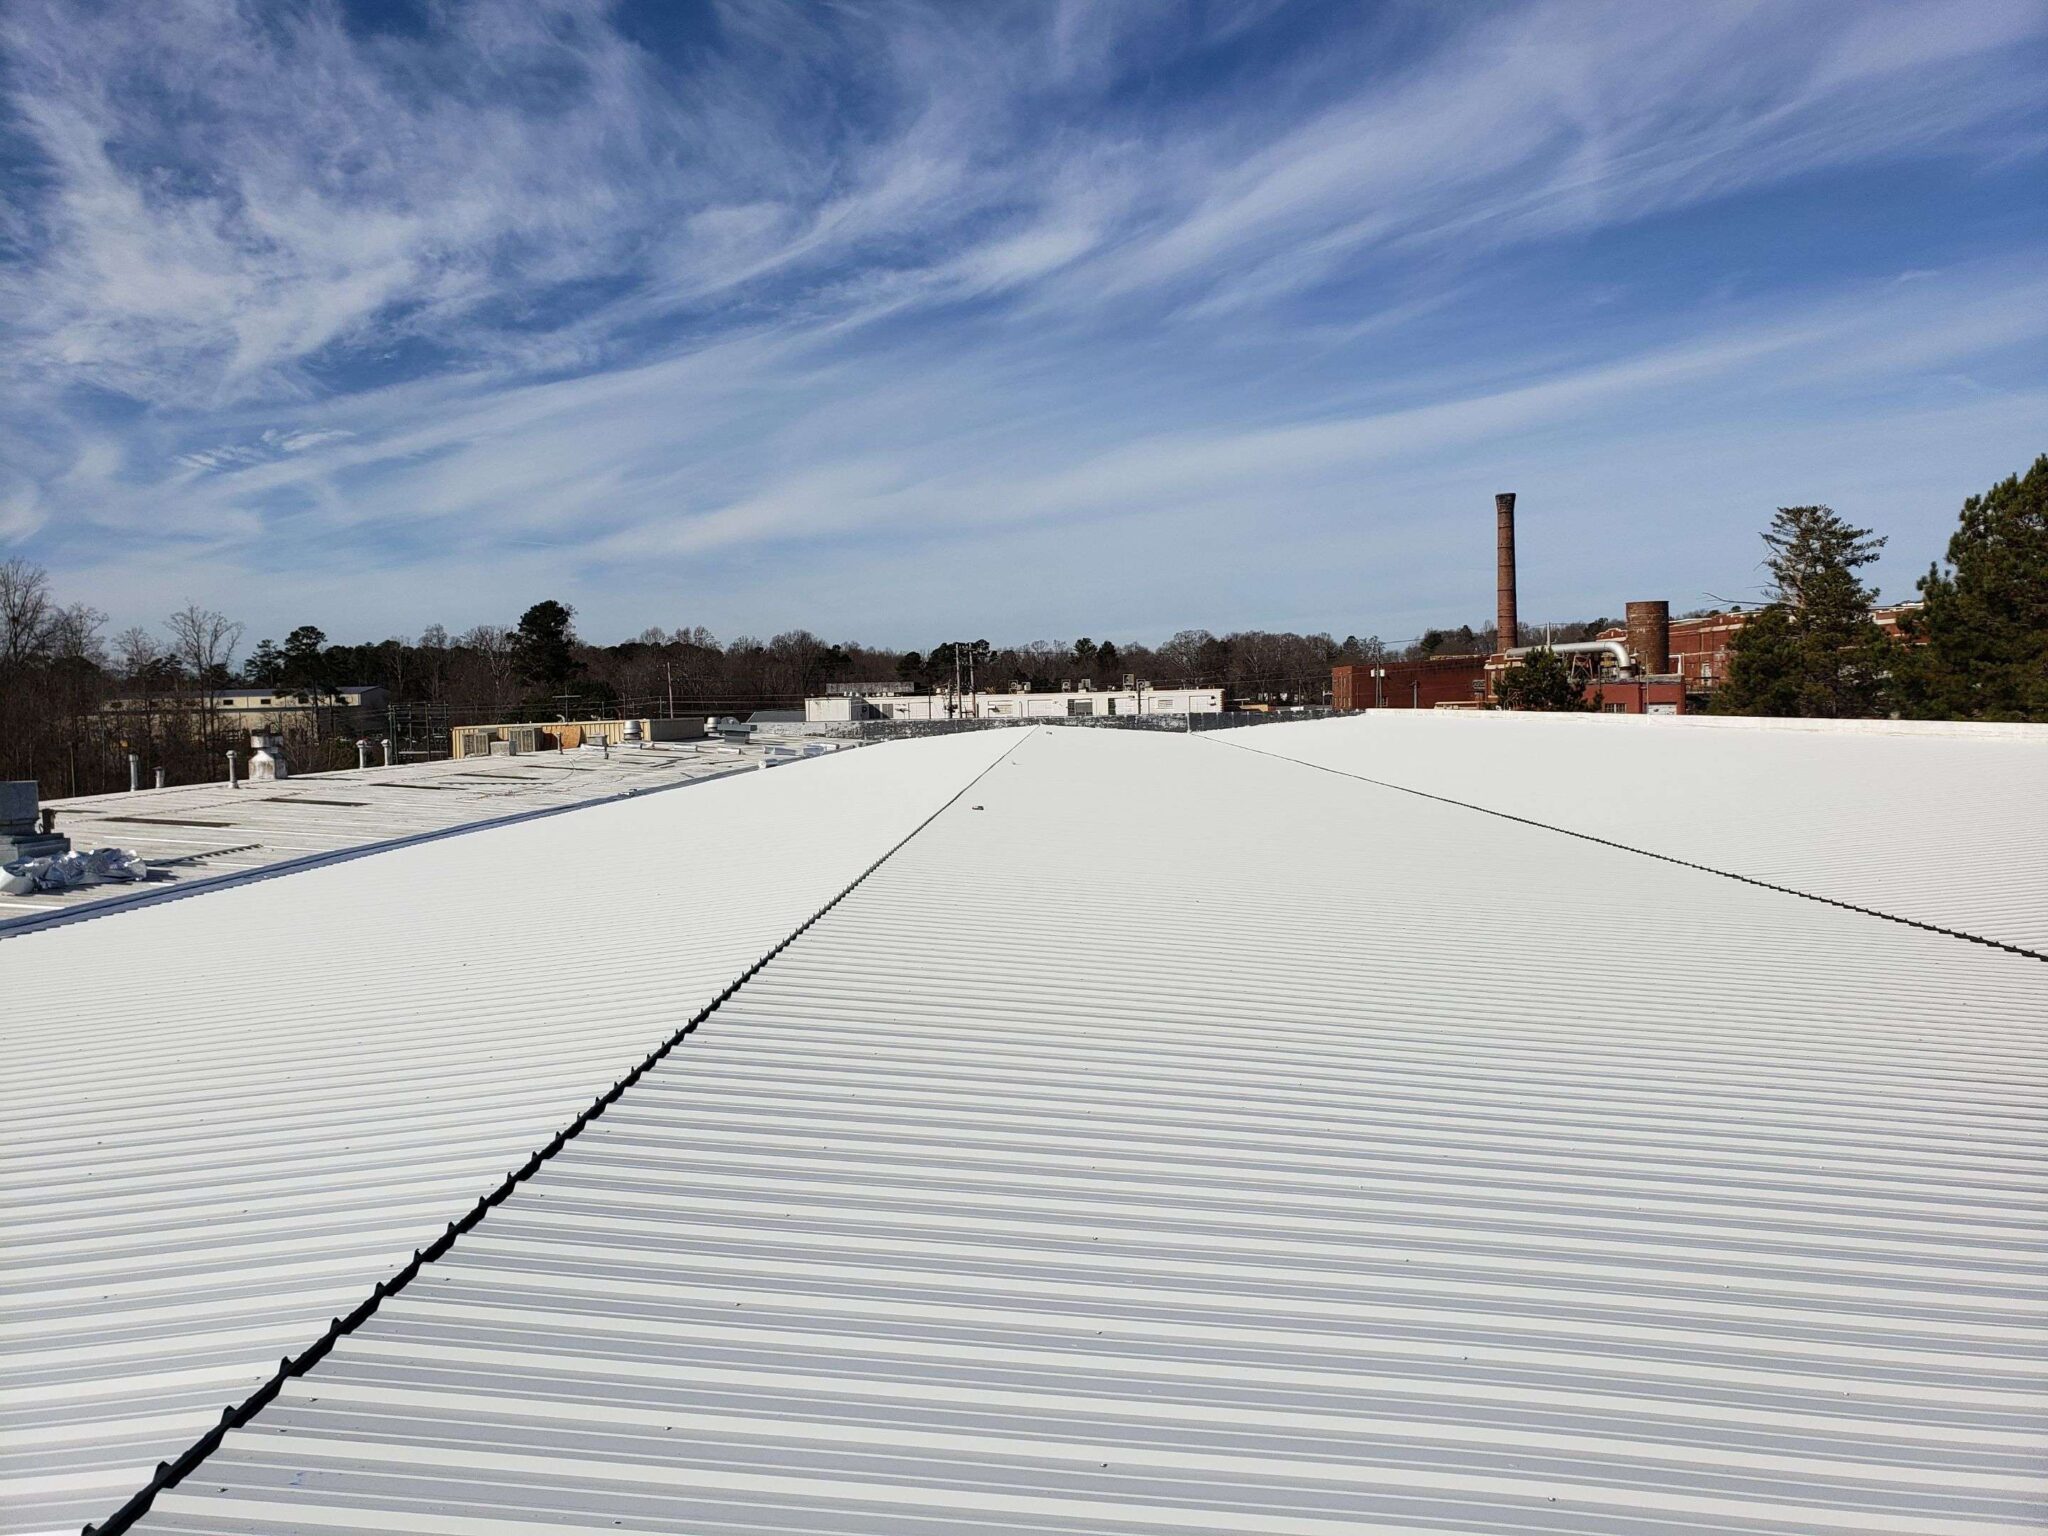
<point>204,641</point>
<point>25,608</point>
<point>74,635</point>
<point>491,644</point>
<point>138,654</point>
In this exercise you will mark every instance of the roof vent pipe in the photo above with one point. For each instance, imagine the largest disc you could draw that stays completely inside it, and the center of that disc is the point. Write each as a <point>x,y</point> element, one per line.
<point>1505,623</point>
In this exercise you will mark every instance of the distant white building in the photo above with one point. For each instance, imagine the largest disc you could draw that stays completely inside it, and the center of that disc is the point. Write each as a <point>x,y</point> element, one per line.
<point>255,707</point>
<point>1140,700</point>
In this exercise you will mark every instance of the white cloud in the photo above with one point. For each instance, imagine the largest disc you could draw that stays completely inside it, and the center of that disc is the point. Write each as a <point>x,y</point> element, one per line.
<point>889,275</point>
<point>299,442</point>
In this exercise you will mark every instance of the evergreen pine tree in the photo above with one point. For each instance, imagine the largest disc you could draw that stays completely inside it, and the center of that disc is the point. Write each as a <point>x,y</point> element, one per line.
<point>1814,650</point>
<point>1542,680</point>
<point>265,665</point>
<point>543,645</point>
<point>1986,618</point>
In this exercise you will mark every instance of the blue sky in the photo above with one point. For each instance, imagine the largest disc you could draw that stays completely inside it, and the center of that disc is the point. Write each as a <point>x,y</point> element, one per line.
<point>903,321</point>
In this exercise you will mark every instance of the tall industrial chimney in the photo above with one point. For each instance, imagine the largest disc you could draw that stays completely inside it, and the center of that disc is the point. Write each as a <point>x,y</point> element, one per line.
<point>1649,636</point>
<point>1504,574</point>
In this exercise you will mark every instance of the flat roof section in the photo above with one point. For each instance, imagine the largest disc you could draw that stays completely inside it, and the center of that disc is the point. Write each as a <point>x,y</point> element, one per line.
<point>1176,1138</point>
<point>230,1117</point>
<point>194,832</point>
<point>1944,824</point>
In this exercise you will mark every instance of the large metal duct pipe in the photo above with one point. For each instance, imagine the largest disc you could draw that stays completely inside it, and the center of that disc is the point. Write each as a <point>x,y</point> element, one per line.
<point>1649,636</point>
<point>1504,570</point>
<point>1612,648</point>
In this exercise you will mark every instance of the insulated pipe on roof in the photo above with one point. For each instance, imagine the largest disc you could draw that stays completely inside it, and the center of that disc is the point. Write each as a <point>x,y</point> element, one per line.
<point>1613,648</point>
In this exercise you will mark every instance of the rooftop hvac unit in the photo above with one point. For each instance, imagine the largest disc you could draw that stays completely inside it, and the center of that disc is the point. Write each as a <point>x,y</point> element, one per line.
<point>524,738</point>
<point>472,742</point>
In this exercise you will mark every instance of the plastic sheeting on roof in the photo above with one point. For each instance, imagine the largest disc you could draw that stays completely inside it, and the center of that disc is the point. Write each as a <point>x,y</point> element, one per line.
<point>62,871</point>
<point>1172,1138</point>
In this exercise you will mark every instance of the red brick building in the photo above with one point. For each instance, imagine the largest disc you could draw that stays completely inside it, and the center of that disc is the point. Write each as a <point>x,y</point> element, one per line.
<point>1699,646</point>
<point>1410,684</point>
<point>1637,696</point>
<point>1695,664</point>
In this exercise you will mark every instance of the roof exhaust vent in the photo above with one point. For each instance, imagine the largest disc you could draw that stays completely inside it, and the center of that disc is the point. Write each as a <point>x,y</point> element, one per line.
<point>26,831</point>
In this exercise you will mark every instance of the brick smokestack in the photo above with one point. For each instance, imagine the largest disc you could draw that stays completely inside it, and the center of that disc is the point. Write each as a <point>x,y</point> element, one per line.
<point>1649,636</point>
<point>1504,569</point>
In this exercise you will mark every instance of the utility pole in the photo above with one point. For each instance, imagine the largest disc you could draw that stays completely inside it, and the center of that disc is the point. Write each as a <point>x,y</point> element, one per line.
<point>670,668</point>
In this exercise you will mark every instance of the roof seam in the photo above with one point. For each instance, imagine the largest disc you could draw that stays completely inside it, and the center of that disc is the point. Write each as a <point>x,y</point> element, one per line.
<point>1665,858</point>
<point>170,1473</point>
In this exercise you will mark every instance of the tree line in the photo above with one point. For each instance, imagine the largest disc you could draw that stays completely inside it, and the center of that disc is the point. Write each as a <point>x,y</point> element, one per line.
<point>75,701</point>
<point>1977,649</point>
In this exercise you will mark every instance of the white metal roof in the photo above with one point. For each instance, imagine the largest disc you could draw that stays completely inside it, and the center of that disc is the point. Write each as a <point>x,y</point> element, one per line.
<point>228,1117</point>
<point>195,832</point>
<point>1943,824</point>
<point>1174,1138</point>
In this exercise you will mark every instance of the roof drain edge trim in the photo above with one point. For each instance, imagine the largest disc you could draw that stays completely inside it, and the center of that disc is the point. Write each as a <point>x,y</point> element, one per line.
<point>1665,858</point>
<point>170,1473</point>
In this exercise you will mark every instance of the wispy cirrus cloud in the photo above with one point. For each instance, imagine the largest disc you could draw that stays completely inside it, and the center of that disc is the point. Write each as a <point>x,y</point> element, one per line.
<point>776,280</point>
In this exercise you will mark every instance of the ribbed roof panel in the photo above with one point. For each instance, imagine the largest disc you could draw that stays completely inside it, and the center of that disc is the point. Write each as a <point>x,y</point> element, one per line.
<point>1171,1138</point>
<point>230,1116</point>
<point>1938,824</point>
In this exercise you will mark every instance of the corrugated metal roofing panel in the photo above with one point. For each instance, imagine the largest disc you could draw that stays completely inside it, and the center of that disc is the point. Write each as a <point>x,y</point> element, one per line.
<point>1169,1138</point>
<point>229,1116</point>
<point>1939,825</point>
